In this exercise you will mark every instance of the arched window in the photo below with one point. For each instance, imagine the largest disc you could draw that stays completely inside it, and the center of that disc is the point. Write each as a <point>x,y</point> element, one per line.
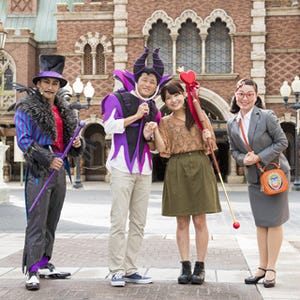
<point>100,60</point>
<point>188,47</point>
<point>88,60</point>
<point>203,45</point>
<point>8,79</point>
<point>93,50</point>
<point>218,48</point>
<point>160,38</point>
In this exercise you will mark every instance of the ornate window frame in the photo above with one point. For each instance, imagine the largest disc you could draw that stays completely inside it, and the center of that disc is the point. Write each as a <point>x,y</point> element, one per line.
<point>7,97</point>
<point>202,25</point>
<point>93,39</point>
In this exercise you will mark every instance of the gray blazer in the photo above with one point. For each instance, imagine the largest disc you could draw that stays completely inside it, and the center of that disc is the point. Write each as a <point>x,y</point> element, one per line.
<point>266,138</point>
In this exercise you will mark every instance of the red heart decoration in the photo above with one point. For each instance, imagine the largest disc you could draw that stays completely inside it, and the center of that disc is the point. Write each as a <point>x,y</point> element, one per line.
<point>188,77</point>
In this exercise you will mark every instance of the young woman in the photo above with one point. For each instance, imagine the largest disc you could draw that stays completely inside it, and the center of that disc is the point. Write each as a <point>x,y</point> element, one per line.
<point>190,188</point>
<point>268,141</point>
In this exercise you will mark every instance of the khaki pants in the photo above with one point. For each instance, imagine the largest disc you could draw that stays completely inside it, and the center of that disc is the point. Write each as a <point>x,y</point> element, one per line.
<point>130,194</point>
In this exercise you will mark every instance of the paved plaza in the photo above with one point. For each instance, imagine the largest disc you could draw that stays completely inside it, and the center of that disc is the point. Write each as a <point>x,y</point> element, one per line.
<point>81,248</point>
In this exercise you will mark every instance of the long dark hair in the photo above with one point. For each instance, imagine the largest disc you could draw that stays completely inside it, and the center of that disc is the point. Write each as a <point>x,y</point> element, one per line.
<point>174,87</point>
<point>234,108</point>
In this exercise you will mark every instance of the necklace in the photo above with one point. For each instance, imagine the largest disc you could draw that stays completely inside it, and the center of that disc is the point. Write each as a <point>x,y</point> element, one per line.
<point>145,99</point>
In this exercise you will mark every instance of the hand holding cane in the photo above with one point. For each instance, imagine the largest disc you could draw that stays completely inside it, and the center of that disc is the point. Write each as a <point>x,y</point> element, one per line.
<point>63,156</point>
<point>194,104</point>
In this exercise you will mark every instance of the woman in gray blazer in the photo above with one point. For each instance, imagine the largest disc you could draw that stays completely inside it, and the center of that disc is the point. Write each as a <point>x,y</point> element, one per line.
<point>267,140</point>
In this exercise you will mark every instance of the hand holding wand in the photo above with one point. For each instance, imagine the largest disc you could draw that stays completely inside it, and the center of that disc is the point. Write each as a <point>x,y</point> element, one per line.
<point>194,104</point>
<point>64,154</point>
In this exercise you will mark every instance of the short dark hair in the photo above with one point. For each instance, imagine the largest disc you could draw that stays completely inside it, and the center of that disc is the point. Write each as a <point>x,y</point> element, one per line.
<point>234,108</point>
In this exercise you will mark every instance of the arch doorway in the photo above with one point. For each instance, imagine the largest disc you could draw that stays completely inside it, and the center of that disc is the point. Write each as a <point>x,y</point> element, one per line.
<point>95,158</point>
<point>289,129</point>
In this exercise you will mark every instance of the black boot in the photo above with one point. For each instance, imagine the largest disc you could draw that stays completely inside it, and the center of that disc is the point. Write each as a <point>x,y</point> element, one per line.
<point>199,273</point>
<point>186,272</point>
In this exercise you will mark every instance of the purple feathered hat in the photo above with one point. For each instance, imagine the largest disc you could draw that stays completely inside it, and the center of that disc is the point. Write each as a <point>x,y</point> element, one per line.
<point>140,67</point>
<point>51,66</point>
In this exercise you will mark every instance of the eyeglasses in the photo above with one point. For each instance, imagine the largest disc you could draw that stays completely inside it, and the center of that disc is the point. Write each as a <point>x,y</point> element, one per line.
<point>243,94</point>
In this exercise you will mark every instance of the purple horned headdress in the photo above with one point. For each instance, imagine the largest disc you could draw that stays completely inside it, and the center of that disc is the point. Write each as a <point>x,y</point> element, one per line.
<point>140,66</point>
<point>129,80</point>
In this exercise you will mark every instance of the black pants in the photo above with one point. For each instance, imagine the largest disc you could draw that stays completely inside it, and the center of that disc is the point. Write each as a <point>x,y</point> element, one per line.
<point>42,220</point>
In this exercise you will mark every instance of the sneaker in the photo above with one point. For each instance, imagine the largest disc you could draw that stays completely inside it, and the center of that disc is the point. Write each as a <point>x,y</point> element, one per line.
<point>137,278</point>
<point>32,282</point>
<point>117,280</point>
<point>49,271</point>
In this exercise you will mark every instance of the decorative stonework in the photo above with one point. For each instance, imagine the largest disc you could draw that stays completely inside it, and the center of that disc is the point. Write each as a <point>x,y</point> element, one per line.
<point>7,97</point>
<point>187,14</point>
<point>93,39</point>
<point>120,32</point>
<point>22,7</point>
<point>217,102</point>
<point>258,41</point>
<point>287,118</point>
<point>175,25</point>
<point>220,13</point>
<point>158,15</point>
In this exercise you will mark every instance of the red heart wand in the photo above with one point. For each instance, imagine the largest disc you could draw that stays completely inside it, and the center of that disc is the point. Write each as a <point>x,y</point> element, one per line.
<point>189,78</point>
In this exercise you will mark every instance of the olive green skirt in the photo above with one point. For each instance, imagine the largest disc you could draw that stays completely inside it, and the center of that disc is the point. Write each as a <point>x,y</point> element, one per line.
<point>190,186</point>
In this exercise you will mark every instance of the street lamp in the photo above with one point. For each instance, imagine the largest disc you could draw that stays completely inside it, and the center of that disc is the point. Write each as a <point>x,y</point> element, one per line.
<point>2,36</point>
<point>285,92</point>
<point>77,88</point>
<point>89,93</point>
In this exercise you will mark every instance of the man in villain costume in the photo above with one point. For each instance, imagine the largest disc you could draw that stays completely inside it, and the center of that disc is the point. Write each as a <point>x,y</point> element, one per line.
<point>44,126</point>
<point>129,163</point>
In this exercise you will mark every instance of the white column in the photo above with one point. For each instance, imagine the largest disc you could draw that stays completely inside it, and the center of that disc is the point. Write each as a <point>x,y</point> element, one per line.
<point>232,176</point>
<point>258,41</point>
<point>120,36</point>
<point>3,187</point>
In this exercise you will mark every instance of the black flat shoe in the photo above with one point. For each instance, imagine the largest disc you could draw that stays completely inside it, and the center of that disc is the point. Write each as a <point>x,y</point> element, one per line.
<point>270,283</point>
<point>255,279</point>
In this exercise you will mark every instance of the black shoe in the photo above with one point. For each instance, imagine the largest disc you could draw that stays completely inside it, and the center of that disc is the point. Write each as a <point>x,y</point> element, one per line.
<point>255,279</point>
<point>270,283</point>
<point>199,273</point>
<point>32,282</point>
<point>50,272</point>
<point>186,273</point>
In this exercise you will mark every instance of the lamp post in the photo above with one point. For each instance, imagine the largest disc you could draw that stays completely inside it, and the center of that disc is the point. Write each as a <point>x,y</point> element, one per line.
<point>88,93</point>
<point>77,88</point>
<point>285,92</point>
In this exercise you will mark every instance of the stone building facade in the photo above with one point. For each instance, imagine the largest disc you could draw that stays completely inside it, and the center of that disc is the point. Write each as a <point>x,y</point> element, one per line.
<point>222,41</point>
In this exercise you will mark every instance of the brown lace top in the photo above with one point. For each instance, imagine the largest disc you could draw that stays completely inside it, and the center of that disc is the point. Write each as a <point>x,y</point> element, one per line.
<point>178,139</point>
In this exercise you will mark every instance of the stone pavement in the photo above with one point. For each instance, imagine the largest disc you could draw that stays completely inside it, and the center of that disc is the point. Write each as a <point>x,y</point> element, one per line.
<point>231,257</point>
